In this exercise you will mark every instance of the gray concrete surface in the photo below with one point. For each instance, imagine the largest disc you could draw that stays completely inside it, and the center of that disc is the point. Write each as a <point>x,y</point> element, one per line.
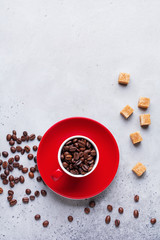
<point>60,59</point>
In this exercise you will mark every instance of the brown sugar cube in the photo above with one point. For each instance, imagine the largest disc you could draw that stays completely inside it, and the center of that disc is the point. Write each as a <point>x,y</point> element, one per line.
<point>126,111</point>
<point>136,137</point>
<point>139,169</point>
<point>124,78</point>
<point>143,102</point>
<point>145,119</point>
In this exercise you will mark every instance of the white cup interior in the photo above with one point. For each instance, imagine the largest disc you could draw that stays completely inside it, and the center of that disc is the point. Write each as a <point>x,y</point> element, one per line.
<point>96,160</point>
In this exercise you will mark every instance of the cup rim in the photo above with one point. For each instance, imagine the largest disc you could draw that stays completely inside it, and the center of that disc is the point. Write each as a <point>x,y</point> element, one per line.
<point>96,160</point>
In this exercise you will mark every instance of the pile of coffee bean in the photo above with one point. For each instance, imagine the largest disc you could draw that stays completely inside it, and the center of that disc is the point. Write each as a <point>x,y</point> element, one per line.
<point>78,156</point>
<point>8,166</point>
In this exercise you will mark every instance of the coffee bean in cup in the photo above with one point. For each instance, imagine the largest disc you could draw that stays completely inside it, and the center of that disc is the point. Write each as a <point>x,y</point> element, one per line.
<point>78,156</point>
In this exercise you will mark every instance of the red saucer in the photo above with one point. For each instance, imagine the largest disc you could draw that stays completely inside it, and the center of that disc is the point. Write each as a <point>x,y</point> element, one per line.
<point>102,176</point>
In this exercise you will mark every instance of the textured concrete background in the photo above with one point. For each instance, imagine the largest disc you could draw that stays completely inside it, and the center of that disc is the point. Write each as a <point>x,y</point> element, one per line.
<point>60,59</point>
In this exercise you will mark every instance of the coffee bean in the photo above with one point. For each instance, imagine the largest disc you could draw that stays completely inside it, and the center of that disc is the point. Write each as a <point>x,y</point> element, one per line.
<point>136,198</point>
<point>12,184</point>
<point>39,179</point>
<point>85,167</point>
<point>1,162</point>
<point>15,164</point>
<point>5,181</point>
<point>35,159</point>
<point>14,137</point>
<point>37,193</point>
<point>31,174</point>
<point>25,200</point>
<point>43,193</point>
<point>8,137</point>
<point>13,202</point>
<point>25,133</point>
<point>11,142</point>
<point>93,153</point>
<point>32,198</point>
<point>11,160</point>
<point>72,149</point>
<point>16,157</point>
<point>107,219</point>
<point>39,137</point>
<point>37,217</point>
<point>117,223</point>
<point>21,179</point>
<point>153,221</point>
<point>25,170</point>
<point>87,210</point>
<point>10,168</point>
<point>30,156</point>
<point>32,137</point>
<point>36,167</point>
<point>70,218</point>
<point>68,157</point>
<point>45,223</point>
<point>13,149</point>
<point>19,141</point>
<point>109,208</point>
<point>22,151</point>
<point>10,192</point>
<point>11,178</point>
<point>3,176</point>
<point>120,210</point>
<point>23,138</point>
<point>18,149</point>
<point>14,132</point>
<point>28,191</point>
<point>16,180</point>
<point>5,164</point>
<point>27,138</point>
<point>6,172</point>
<point>92,204</point>
<point>136,213</point>
<point>5,154</point>
<point>20,167</point>
<point>32,169</point>
<point>65,165</point>
<point>27,149</point>
<point>1,190</point>
<point>10,197</point>
<point>35,148</point>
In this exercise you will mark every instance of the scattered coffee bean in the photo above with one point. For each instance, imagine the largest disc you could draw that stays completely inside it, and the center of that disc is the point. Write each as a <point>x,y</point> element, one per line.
<point>14,132</point>
<point>23,138</point>
<point>10,192</point>
<point>27,149</point>
<point>11,178</point>
<point>1,190</point>
<point>43,193</point>
<point>5,154</point>
<point>22,151</point>
<point>13,149</point>
<point>30,156</point>
<point>16,165</point>
<point>45,223</point>
<point>9,137</point>
<point>92,204</point>
<point>3,176</point>
<point>109,208</point>
<point>28,191</point>
<point>37,193</point>
<point>70,218</point>
<point>120,210</point>
<point>27,138</point>
<point>136,198</point>
<point>16,180</point>
<point>6,172</point>
<point>25,133</point>
<point>136,213</point>
<point>25,170</point>
<point>14,137</point>
<point>39,138</point>
<point>108,219</point>
<point>32,169</point>
<point>4,164</point>
<point>19,141</point>
<point>39,179</point>
<point>87,210</point>
<point>37,217</point>
<point>25,200</point>
<point>13,202</point>
<point>18,149</point>
<point>32,137</point>
<point>5,181</point>
<point>32,198</point>
<point>35,159</point>
<point>117,223</point>
<point>11,142</point>
<point>21,179</point>
<point>10,197</point>
<point>153,221</point>
<point>12,184</point>
<point>10,168</point>
<point>35,148</point>
<point>31,174</point>
<point>20,167</point>
<point>16,158</point>
<point>11,160</point>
